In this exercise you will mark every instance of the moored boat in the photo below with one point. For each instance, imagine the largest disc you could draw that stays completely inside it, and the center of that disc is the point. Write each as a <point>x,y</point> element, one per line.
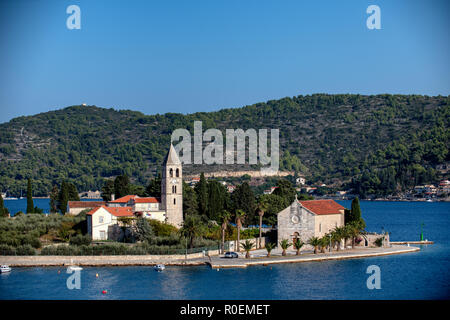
<point>4,269</point>
<point>159,267</point>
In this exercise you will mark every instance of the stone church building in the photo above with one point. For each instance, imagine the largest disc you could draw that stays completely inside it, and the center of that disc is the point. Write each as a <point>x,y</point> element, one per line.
<point>309,218</point>
<point>103,221</point>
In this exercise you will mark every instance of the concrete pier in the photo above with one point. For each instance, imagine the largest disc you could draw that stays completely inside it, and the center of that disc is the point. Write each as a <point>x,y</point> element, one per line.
<point>220,262</point>
<point>412,242</point>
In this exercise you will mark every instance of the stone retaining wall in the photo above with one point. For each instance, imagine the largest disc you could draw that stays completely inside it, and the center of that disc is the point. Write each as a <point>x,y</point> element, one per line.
<point>195,258</point>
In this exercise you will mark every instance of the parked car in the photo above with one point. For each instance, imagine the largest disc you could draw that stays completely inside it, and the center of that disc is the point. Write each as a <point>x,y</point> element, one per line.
<point>231,255</point>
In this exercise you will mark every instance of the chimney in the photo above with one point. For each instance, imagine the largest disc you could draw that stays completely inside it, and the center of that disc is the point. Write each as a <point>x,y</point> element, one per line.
<point>113,197</point>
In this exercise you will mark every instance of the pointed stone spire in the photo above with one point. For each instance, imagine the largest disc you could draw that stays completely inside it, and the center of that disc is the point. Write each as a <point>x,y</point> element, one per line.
<point>172,157</point>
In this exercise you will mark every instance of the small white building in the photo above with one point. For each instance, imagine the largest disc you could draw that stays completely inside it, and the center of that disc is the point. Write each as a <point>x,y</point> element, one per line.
<point>148,207</point>
<point>102,222</point>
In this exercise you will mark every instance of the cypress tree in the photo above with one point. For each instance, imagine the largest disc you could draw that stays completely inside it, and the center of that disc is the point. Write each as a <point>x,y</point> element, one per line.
<point>356,210</point>
<point>3,211</point>
<point>30,204</point>
<point>216,200</point>
<point>54,199</point>
<point>244,199</point>
<point>202,195</point>
<point>107,190</point>
<point>63,197</point>
<point>355,214</point>
<point>154,187</point>
<point>73,192</point>
<point>190,205</point>
<point>121,186</point>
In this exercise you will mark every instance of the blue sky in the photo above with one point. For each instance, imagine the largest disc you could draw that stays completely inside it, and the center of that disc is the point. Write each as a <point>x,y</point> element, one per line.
<point>189,56</point>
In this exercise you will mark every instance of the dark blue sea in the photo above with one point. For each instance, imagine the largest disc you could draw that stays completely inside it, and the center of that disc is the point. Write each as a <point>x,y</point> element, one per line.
<point>15,206</point>
<point>419,275</point>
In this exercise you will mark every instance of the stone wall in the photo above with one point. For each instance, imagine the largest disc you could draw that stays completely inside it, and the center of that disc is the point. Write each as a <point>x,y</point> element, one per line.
<point>103,260</point>
<point>369,239</point>
<point>232,245</point>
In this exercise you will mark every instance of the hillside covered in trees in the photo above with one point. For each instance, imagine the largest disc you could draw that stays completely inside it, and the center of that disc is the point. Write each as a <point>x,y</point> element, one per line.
<point>374,144</point>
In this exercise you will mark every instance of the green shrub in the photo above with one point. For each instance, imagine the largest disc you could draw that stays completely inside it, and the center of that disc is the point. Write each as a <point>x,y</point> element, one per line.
<point>162,229</point>
<point>80,240</point>
<point>25,250</point>
<point>379,242</point>
<point>6,250</point>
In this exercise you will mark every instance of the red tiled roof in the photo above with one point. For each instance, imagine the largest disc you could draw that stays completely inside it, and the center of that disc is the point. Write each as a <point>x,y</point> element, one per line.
<point>146,200</point>
<point>118,212</point>
<point>124,199</point>
<point>86,204</point>
<point>322,206</point>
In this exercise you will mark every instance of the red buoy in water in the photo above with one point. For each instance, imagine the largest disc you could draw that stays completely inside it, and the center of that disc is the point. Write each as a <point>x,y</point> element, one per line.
<point>104,291</point>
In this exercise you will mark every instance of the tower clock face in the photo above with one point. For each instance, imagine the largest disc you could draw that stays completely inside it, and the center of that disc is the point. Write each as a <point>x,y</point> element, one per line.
<point>174,181</point>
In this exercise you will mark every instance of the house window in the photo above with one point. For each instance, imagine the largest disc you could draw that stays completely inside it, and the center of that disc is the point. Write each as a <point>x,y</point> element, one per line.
<point>102,235</point>
<point>171,172</point>
<point>100,219</point>
<point>178,172</point>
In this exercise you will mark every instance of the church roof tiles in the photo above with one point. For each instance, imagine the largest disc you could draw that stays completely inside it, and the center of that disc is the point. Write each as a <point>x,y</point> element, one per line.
<point>323,206</point>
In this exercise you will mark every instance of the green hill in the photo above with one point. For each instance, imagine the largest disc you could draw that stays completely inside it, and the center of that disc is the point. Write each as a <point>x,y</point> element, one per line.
<point>376,144</point>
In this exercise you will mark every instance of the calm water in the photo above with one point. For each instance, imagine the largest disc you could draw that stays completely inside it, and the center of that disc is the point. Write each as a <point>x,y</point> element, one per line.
<point>421,275</point>
<point>15,206</point>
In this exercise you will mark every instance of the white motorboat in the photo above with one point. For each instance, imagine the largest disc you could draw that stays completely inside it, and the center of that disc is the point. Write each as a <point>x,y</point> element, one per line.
<point>4,269</point>
<point>159,267</point>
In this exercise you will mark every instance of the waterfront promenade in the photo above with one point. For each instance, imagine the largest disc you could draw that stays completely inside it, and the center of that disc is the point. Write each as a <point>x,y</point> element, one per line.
<point>259,257</point>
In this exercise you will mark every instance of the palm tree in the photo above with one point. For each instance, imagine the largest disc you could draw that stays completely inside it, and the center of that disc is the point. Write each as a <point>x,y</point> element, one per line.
<point>354,229</point>
<point>298,244</point>
<point>269,247</point>
<point>192,228</point>
<point>336,236</point>
<point>262,207</point>
<point>315,242</point>
<point>225,218</point>
<point>324,242</point>
<point>247,246</point>
<point>346,234</point>
<point>284,245</point>
<point>239,215</point>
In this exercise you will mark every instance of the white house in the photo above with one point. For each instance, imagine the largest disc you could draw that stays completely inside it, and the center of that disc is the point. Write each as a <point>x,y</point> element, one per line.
<point>102,222</point>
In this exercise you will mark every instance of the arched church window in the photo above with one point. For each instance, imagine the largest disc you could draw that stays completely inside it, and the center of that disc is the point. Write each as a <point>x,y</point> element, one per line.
<point>171,172</point>
<point>174,201</point>
<point>178,172</point>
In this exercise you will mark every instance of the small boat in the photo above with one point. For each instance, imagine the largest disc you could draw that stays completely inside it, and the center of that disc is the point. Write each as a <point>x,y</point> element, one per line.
<point>159,267</point>
<point>4,269</point>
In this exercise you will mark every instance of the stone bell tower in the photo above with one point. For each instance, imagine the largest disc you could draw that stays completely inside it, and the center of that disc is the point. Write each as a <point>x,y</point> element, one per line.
<point>172,188</point>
